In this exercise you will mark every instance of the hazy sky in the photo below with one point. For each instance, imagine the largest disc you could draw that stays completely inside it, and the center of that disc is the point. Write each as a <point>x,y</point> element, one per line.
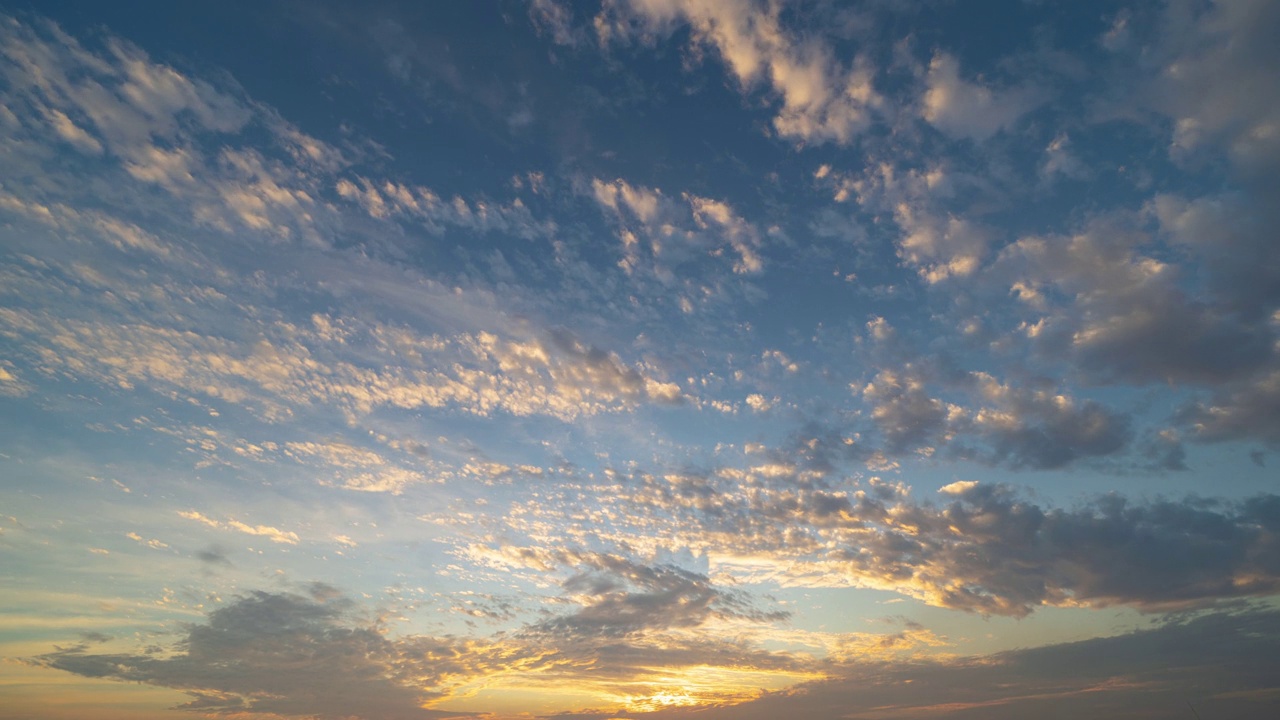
<point>706,359</point>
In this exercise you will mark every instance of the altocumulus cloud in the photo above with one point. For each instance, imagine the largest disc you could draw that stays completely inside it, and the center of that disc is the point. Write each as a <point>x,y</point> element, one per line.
<point>986,549</point>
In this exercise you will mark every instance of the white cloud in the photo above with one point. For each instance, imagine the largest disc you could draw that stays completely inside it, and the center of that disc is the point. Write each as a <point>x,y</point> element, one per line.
<point>1060,161</point>
<point>822,100</point>
<point>385,200</point>
<point>676,232</point>
<point>72,133</point>
<point>273,534</point>
<point>556,19</point>
<point>964,109</point>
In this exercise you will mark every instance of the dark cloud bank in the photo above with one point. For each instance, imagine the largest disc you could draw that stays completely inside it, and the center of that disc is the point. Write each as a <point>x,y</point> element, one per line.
<point>315,656</point>
<point>301,657</point>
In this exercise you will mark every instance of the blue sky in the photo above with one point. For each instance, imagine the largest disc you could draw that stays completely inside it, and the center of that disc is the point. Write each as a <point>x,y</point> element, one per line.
<point>639,358</point>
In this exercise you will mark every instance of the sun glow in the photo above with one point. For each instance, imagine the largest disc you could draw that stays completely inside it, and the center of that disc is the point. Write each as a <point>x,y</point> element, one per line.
<point>704,685</point>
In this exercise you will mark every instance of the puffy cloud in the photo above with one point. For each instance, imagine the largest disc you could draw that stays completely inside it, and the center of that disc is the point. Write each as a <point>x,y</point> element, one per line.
<point>1198,47</point>
<point>822,100</point>
<point>940,246</point>
<point>1232,237</point>
<point>1041,429</point>
<point>287,655</point>
<point>903,410</point>
<point>674,231</point>
<point>355,468</point>
<point>739,234</point>
<point>1060,161</point>
<point>1129,319</point>
<point>985,550</point>
<point>989,420</point>
<point>935,240</point>
<point>989,551</point>
<point>281,654</point>
<point>123,95</point>
<point>1248,410</point>
<point>621,598</point>
<point>969,110</point>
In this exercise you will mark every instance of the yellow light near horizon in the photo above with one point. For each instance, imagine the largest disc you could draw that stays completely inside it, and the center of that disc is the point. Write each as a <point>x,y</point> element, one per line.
<point>649,690</point>
<point>704,685</point>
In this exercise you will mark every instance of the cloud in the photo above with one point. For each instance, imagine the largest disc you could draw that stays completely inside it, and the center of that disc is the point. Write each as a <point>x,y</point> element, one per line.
<point>273,534</point>
<point>1197,48</point>
<point>985,550</point>
<point>620,598</point>
<point>214,555</point>
<point>1129,318</point>
<point>127,99</point>
<point>288,655</point>
<point>969,110</point>
<point>1041,429</point>
<point>153,543</point>
<point>1029,425</point>
<point>941,246</point>
<point>989,551</point>
<point>353,467</point>
<point>675,233</point>
<point>934,239</point>
<point>1059,160</point>
<point>1222,664</point>
<point>293,367</point>
<point>385,200</point>
<point>822,99</point>
<point>1229,236</point>
<point>155,124</point>
<point>273,654</point>
<point>1247,411</point>
<point>555,18</point>
<point>903,411</point>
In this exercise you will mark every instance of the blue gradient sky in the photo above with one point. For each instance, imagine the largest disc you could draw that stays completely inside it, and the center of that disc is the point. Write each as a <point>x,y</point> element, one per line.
<point>644,358</point>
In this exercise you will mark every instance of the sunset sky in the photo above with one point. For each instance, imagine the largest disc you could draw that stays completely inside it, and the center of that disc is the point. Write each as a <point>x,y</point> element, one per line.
<point>670,359</point>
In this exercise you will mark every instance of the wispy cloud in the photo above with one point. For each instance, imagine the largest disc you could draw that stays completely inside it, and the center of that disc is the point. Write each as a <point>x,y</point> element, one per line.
<point>271,533</point>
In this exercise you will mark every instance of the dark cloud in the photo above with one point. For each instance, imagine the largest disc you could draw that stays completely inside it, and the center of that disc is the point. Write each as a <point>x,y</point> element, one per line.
<point>279,654</point>
<point>1207,43</point>
<point>285,654</point>
<point>1031,425</point>
<point>213,555</point>
<point>1224,665</point>
<point>903,410</point>
<point>1040,429</point>
<point>1250,410</point>
<point>622,598</point>
<point>1124,314</point>
<point>1164,451</point>
<point>987,549</point>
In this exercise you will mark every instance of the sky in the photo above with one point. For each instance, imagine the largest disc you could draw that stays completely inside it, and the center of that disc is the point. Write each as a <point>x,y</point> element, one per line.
<point>669,359</point>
